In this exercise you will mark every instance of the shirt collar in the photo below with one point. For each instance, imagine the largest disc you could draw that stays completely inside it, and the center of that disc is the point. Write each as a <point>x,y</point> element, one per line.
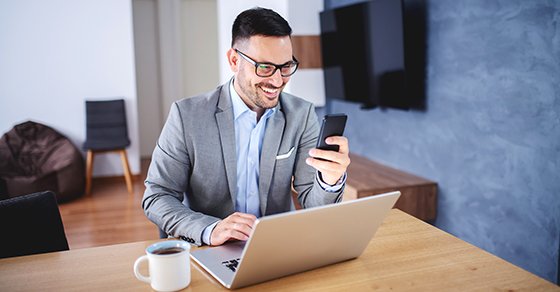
<point>239,106</point>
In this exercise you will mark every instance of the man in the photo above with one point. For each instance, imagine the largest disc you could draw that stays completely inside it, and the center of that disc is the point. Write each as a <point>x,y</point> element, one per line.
<point>229,156</point>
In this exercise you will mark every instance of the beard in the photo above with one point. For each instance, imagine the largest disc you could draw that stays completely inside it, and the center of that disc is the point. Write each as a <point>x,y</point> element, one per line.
<point>264,100</point>
<point>261,95</point>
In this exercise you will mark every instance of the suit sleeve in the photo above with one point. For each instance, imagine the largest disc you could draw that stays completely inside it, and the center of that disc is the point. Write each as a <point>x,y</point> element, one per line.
<point>310,192</point>
<point>166,184</point>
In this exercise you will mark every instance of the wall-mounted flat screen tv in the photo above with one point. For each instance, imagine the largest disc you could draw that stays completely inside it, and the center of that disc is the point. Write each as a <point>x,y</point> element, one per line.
<point>363,54</point>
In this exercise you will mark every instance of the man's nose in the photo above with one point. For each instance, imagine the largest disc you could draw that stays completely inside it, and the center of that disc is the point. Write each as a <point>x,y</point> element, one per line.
<point>277,79</point>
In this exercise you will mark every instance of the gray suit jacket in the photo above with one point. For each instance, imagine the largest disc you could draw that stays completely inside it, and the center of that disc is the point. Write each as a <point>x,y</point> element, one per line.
<point>195,161</point>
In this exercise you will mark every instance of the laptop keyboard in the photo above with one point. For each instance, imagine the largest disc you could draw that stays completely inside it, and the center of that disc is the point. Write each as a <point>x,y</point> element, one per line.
<point>231,264</point>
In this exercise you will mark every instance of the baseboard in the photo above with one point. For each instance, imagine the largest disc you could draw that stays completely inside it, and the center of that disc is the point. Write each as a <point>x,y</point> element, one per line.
<point>118,178</point>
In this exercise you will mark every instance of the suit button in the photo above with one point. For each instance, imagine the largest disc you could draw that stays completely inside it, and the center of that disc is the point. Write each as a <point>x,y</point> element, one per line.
<point>183,238</point>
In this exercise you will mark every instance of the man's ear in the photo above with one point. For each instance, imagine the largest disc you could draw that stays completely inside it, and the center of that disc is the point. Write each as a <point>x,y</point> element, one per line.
<point>233,60</point>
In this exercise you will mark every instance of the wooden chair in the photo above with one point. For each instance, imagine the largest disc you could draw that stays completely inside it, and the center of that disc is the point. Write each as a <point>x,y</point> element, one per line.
<point>106,131</point>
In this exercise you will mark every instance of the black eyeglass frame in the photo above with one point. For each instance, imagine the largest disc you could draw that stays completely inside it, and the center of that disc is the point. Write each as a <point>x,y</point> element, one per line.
<point>276,67</point>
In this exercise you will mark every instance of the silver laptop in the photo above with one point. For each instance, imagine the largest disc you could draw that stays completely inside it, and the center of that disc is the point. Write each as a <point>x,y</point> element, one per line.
<point>298,241</point>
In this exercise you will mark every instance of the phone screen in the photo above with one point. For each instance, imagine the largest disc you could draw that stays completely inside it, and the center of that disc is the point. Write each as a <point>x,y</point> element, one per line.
<point>332,125</point>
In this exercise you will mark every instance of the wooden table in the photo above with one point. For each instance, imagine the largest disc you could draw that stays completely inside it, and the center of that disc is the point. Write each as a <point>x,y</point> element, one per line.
<point>367,178</point>
<point>406,254</point>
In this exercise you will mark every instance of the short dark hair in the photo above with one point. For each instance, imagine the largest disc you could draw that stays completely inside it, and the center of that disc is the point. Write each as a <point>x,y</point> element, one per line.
<point>259,21</point>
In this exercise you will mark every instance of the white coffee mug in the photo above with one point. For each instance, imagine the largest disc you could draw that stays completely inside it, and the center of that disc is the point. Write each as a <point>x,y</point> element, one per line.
<point>169,265</point>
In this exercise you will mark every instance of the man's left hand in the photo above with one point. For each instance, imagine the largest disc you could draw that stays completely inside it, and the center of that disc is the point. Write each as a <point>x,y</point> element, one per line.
<point>334,164</point>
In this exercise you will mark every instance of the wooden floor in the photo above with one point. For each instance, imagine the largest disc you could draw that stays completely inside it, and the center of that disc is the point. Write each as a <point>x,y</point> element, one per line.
<point>109,215</point>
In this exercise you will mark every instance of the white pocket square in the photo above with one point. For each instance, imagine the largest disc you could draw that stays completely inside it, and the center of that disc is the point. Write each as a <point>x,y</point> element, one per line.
<point>284,156</point>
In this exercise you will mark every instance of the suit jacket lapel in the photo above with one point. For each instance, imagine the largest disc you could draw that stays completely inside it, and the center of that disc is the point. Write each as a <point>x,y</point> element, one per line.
<point>271,144</point>
<point>224,118</point>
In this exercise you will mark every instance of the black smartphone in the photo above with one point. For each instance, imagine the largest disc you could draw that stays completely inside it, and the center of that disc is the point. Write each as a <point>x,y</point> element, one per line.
<point>332,125</point>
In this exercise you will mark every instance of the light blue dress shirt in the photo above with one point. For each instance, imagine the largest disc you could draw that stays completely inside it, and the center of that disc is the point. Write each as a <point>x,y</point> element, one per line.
<point>249,136</point>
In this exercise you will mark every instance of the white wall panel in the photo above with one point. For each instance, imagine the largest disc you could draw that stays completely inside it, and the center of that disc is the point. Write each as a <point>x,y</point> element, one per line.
<point>55,54</point>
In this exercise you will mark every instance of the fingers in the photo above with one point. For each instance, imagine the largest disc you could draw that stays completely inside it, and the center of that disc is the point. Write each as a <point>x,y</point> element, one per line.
<point>331,164</point>
<point>341,141</point>
<point>237,226</point>
<point>341,157</point>
<point>327,156</point>
<point>327,163</point>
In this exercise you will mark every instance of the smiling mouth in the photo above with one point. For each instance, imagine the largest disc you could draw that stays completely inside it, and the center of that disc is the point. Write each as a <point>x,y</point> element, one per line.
<point>270,93</point>
<point>269,90</point>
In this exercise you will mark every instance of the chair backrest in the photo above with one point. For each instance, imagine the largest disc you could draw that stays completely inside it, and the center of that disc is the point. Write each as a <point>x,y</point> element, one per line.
<point>106,127</point>
<point>31,224</point>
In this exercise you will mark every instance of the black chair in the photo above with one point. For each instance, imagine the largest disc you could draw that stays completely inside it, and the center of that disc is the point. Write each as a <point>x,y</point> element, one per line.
<point>106,131</point>
<point>31,224</point>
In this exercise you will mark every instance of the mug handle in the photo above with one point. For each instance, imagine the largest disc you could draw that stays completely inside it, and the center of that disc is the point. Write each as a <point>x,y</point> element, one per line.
<point>137,273</point>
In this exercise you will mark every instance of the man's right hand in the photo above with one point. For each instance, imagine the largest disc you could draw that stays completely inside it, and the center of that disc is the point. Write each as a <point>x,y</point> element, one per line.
<point>236,226</point>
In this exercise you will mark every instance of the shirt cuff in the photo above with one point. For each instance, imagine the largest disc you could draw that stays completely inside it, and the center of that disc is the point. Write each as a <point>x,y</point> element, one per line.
<point>207,232</point>
<point>334,188</point>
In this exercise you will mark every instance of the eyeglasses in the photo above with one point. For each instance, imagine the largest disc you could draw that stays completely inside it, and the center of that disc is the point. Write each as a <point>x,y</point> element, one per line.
<point>268,69</point>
